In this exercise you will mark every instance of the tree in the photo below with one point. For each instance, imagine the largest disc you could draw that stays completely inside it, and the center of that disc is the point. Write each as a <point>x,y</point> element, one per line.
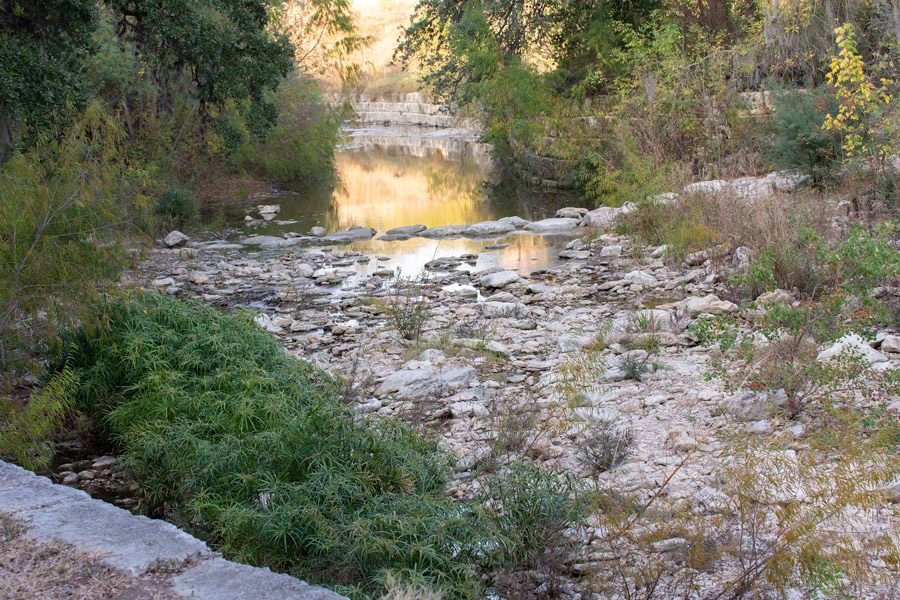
<point>225,47</point>
<point>43,44</point>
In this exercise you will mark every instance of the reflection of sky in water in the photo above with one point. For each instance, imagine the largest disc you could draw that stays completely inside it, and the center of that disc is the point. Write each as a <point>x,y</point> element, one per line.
<point>388,181</point>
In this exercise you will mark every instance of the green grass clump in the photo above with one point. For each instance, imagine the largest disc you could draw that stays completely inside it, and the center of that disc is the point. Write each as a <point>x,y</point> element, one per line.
<point>252,450</point>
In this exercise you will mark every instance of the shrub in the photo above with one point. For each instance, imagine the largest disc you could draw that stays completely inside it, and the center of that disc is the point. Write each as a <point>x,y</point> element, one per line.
<point>230,436</point>
<point>408,307</point>
<point>26,434</point>
<point>605,446</point>
<point>61,219</point>
<point>301,145</point>
<point>798,140</point>
<point>177,208</point>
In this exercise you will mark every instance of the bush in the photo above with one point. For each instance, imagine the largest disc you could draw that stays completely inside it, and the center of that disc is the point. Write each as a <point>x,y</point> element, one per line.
<point>61,218</point>
<point>25,435</point>
<point>250,448</point>
<point>798,140</point>
<point>177,208</point>
<point>301,145</point>
<point>605,447</point>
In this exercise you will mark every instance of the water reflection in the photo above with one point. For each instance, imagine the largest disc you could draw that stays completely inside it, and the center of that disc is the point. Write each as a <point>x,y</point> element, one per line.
<point>390,177</point>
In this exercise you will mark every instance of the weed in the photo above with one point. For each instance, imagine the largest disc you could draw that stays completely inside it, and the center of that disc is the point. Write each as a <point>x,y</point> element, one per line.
<point>604,446</point>
<point>407,306</point>
<point>26,435</point>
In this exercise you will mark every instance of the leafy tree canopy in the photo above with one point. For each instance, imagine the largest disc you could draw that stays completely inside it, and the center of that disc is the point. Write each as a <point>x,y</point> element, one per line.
<point>43,44</point>
<point>225,46</point>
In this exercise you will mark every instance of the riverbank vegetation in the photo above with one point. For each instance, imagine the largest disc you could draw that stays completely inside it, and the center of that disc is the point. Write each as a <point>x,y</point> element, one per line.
<point>636,98</point>
<point>124,119</point>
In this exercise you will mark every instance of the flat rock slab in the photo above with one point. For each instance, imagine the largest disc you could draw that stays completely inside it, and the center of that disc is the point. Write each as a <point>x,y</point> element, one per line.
<point>134,543</point>
<point>128,542</point>
<point>556,224</point>
<point>220,579</point>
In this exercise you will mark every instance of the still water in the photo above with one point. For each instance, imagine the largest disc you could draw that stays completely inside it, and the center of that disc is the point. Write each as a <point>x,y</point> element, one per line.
<point>405,175</point>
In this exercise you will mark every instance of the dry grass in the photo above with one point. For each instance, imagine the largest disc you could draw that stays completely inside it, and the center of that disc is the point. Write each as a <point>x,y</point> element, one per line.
<point>31,570</point>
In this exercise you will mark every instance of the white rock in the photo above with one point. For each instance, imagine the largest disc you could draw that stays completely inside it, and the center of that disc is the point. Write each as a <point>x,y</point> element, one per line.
<point>708,305</point>
<point>571,212</point>
<point>787,181</point>
<point>708,188</point>
<point>601,217</point>
<point>640,278</point>
<point>317,232</point>
<point>489,228</point>
<point>175,239</point>
<point>751,189</point>
<point>545,225</point>
<point>268,209</point>
<point>421,382</point>
<point>504,310</point>
<point>499,280</point>
<point>517,222</point>
<point>891,343</point>
<point>163,282</point>
<point>755,406</point>
<point>467,409</point>
<point>406,230</point>
<point>854,344</point>
<point>304,270</point>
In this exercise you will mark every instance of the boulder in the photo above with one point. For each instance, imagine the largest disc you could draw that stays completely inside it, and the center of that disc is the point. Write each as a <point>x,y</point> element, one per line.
<point>890,343</point>
<point>318,232</point>
<point>447,231</point>
<point>787,181</point>
<point>486,228</point>
<point>494,310</point>
<point>175,239</point>
<point>707,305</point>
<point>601,217</point>
<point>751,189</point>
<point>517,222</point>
<point>354,234</point>
<point>408,230</point>
<point>640,278</point>
<point>269,241</point>
<point>420,382</point>
<point>755,406</point>
<point>268,209</point>
<point>571,212</point>
<point>499,280</point>
<point>707,188</point>
<point>545,225</point>
<point>854,344</point>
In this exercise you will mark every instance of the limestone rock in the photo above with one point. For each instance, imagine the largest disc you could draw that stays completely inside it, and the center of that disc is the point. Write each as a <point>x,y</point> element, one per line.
<point>755,406</point>
<point>600,217</point>
<point>707,305</point>
<point>571,212</point>
<point>708,188</point>
<point>499,280</point>
<point>855,344</point>
<point>420,382</point>
<point>546,225</point>
<point>517,222</point>
<point>408,230</point>
<point>486,228</point>
<point>175,239</point>
<point>493,310</point>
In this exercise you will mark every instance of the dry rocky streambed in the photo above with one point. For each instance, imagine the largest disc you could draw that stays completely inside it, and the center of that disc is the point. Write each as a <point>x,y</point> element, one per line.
<point>544,357</point>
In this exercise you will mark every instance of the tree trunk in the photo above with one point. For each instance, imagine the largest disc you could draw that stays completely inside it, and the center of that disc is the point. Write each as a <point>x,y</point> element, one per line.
<point>6,138</point>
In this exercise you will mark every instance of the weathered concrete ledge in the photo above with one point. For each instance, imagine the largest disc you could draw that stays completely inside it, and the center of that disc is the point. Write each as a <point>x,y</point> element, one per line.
<point>135,543</point>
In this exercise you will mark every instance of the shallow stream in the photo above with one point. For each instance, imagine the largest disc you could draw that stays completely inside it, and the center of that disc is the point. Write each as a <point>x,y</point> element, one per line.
<point>393,176</point>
